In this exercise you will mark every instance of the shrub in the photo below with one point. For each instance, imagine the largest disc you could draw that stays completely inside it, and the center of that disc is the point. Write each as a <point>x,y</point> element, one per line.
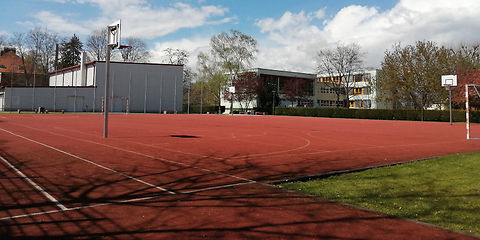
<point>205,109</point>
<point>380,114</point>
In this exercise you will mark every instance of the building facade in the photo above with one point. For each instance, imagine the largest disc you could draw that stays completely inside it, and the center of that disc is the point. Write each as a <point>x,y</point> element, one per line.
<point>134,87</point>
<point>363,91</point>
<point>280,89</point>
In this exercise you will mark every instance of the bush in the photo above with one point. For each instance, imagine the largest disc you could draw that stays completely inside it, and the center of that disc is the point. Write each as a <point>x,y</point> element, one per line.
<point>380,114</point>
<point>205,109</point>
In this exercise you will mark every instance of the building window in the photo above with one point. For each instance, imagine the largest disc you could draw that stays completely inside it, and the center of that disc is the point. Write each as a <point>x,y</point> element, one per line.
<point>358,78</point>
<point>358,91</point>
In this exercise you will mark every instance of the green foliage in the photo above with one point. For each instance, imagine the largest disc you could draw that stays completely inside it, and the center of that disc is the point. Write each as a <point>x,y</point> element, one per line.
<point>380,114</point>
<point>410,76</point>
<point>439,191</point>
<point>70,52</point>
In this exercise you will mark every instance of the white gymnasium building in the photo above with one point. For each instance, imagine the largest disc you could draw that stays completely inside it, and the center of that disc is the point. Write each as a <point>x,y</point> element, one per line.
<point>134,87</point>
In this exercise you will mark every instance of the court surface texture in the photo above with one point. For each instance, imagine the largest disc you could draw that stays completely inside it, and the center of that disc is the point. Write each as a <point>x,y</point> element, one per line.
<point>201,176</point>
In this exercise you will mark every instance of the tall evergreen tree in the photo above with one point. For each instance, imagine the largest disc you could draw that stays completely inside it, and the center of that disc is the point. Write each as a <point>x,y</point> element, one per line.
<point>70,52</point>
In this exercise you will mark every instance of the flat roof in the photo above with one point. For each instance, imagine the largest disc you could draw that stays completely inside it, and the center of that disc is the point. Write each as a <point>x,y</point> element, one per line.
<point>282,73</point>
<point>94,62</point>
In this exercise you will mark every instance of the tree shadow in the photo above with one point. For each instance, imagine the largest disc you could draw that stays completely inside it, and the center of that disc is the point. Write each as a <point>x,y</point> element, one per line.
<point>114,206</point>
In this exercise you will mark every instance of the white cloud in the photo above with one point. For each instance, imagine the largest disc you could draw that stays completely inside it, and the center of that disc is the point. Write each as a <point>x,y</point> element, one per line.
<point>60,24</point>
<point>194,46</point>
<point>294,38</point>
<point>139,18</point>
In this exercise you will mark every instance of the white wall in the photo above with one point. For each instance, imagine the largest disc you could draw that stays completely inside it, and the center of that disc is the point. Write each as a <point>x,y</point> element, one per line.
<point>149,88</point>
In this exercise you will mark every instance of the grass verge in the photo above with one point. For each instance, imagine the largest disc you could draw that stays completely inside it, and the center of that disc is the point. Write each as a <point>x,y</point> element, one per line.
<point>442,191</point>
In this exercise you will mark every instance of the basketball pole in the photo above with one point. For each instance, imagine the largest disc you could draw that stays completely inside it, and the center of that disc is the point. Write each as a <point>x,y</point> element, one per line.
<point>107,94</point>
<point>450,99</point>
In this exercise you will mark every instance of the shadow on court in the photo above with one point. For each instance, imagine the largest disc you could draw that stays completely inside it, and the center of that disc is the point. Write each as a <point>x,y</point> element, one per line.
<point>250,211</point>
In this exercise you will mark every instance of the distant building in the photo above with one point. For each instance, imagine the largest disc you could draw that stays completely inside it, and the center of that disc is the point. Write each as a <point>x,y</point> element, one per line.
<point>363,91</point>
<point>296,89</point>
<point>135,87</point>
<point>12,71</point>
<point>10,62</point>
<point>282,88</point>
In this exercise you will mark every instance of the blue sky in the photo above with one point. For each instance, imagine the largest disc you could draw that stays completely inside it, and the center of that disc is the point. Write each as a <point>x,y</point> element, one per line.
<point>289,32</point>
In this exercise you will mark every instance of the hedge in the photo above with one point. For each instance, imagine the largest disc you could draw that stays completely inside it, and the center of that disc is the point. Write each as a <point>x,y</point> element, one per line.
<point>381,114</point>
<point>205,109</point>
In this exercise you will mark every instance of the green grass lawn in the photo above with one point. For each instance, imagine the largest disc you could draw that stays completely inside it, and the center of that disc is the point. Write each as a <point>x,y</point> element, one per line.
<point>443,191</point>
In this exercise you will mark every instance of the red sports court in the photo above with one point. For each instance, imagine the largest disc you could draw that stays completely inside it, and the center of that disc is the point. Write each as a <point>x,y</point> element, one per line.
<point>201,176</point>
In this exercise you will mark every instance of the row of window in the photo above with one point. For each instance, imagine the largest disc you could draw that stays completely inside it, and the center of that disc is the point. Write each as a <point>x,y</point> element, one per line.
<point>355,78</point>
<point>21,68</point>
<point>329,103</point>
<point>361,104</point>
<point>326,90</point>
<point>361,91</point>
<point>356,91</point>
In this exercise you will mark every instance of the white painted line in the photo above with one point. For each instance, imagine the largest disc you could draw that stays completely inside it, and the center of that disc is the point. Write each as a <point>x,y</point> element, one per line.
<point>216,187</point>
<point>36,186</point>
<point>119,202</point>
<point>88,161</point>
<point>144,155</point>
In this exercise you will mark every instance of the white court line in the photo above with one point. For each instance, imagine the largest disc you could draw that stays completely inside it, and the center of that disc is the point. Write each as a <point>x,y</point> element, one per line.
<point>145,155</point>
<point>214,188</point>
<point>36,186</point>
<point>119,202</point>
<point>88,161</point>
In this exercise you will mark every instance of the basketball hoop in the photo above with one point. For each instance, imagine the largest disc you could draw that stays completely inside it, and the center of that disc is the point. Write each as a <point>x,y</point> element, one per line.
<point>114,34</point>
<point>449,81</point>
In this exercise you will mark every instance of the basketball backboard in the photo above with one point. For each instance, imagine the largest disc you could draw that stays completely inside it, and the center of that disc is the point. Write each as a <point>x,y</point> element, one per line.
<point>114,32</point>
<point>449,80</point>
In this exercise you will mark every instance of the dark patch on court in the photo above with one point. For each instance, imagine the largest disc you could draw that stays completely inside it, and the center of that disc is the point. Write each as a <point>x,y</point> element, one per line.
<point>183,136</point>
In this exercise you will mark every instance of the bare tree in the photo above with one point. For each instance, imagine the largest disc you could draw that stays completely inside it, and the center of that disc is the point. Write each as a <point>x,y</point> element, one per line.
<point>176,56</point>
<point>339,65</point>
<point>3,42</point>
<point>468,55</point>
<point>180,57</point>
<point>19,41</point>
<point>137,52</point>
<point>42,44</point>
<point>95,45</point>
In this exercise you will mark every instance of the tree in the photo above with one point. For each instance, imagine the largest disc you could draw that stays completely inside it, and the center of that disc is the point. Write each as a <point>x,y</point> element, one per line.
<point>19,41</point>
<point>176,56</point>
<point>95,45</point>
<point>136,52</point>
<point>468,72</point>
<point>247,87</point>
<point>3,42</point>
<point>234,53</point>
<point>70,52</point>
<point>43,44</point>
<point>212,78</point>
<point>410,76</point>
<point>339,65</point>
<point>180,57</point>
<point>297,90</point>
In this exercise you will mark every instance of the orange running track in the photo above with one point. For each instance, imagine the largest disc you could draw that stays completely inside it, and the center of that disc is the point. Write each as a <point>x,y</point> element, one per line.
<point>201,176</point>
